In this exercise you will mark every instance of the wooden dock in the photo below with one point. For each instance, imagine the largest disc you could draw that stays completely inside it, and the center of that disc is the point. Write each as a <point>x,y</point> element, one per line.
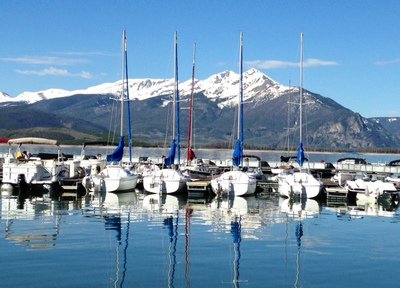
<point>269,186</point>
<point>198,189</point>
<point>199,186</point>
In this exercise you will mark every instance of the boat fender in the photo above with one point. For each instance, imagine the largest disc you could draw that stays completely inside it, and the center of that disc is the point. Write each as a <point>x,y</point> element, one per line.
<point>6,189</point>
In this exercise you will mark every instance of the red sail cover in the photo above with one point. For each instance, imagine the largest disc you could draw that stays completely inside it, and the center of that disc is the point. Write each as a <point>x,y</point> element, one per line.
<point>190,154</point>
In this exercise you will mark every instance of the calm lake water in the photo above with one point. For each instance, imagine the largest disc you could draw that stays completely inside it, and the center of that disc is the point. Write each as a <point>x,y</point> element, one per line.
<point>214,154</point>
<point>139,240</point>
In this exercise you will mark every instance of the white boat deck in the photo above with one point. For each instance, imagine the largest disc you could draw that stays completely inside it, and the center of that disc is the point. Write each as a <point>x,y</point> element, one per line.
<point>367,168</point>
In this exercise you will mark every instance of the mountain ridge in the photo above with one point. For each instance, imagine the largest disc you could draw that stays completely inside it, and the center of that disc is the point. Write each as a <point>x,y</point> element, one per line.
<point>271,118</point>
<point>218,86</point>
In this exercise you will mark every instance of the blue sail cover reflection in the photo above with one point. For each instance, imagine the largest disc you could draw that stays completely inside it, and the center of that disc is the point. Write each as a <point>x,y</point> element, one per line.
<point>113,223</point>
<point>236,231</point>
<point>172,229</point>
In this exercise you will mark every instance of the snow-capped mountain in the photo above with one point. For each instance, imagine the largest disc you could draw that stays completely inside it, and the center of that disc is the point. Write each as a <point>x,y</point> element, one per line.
<point>329,124</point>
<point>4,97</point>
<point>222,87</point>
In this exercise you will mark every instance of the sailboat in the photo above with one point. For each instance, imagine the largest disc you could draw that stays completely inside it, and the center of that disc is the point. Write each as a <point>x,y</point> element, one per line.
<point>190,153</point>
<point>170,180</point>
<point>194,167</point>
<point>114,177</point>
<point>236,182</point>
<point>300,183</point>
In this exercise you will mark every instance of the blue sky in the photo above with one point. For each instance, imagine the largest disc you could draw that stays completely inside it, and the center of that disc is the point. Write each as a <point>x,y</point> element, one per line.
<point>351,48</point>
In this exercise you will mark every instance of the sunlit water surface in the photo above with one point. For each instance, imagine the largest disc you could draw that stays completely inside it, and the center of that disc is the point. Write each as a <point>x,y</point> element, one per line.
<point>139,240</point>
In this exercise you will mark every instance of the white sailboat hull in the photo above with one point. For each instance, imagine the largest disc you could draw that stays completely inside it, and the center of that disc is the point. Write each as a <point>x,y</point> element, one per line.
<point>111,179</point>
<point>120,184</point>
<point>236,182</point>
<point>118,179</point>
<point>299,184</point>
<point>165,181</point>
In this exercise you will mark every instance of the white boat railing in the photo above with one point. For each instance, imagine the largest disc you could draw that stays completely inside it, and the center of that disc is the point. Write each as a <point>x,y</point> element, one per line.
<point>367,168</point>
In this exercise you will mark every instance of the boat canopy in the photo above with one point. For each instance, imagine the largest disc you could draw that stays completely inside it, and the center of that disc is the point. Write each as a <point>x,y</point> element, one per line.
<point>33,140</point>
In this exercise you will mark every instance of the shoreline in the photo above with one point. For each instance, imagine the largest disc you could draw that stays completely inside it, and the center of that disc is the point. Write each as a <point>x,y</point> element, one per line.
<point>248,151</point>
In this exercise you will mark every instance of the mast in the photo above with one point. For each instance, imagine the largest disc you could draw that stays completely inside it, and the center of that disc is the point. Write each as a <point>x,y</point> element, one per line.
<point>176,120</point>
<point>238,151</point>
<point>301,86</point>
<point>127,98</point>
<point>189,143</point>
<point>170,160</point>
<point>123,83</point>
<point>240,109</point>
<point>300,152</point>
<point>118,152</point>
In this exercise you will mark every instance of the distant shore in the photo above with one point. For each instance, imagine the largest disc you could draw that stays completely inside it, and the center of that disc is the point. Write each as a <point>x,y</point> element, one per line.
<point>356,153</point>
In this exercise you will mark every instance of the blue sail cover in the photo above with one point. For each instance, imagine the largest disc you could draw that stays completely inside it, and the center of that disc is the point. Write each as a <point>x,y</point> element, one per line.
<point>238,153</point>
<point>171,157</point>
<point>118,152</point>
<point>300,155</point>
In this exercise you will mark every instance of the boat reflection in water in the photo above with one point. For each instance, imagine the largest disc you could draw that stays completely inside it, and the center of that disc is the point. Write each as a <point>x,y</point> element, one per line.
<point>161,202</point>
<point>168,207</point>
<point>115,223</point>
<point>299,210</point>
<point>232,214</point>
<point>120,201</point>
<point>362,209</point>
<point>223,210</point>
<point>171,225</point>
<point>117,210</point>
<point>34,223</point>
<point>236,232</point>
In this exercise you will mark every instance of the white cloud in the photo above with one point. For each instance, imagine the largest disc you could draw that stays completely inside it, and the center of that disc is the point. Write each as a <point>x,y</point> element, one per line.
<point>387,62</point>
<point>85,75</point>
<point>90,53</point>
<point>317,63</point>
<point>220,64</point>
<point>276,64</point>
<point>55,72</point>
<point>45,60</point>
